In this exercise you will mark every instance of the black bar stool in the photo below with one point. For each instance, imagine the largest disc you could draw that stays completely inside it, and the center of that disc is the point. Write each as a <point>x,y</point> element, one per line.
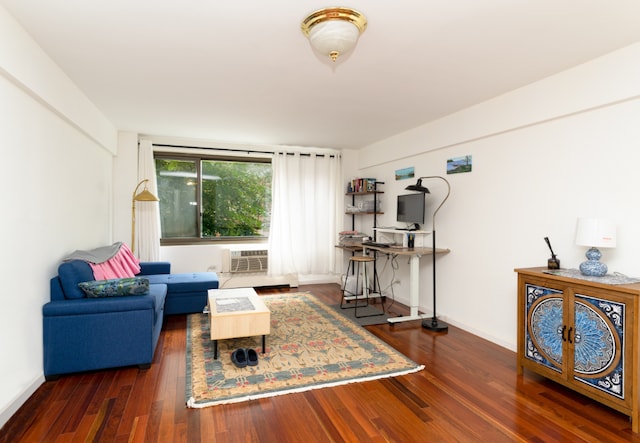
<point>355,262</point>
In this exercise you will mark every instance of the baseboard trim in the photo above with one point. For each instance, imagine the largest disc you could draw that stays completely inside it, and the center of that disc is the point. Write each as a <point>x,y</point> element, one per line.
<point>19,400</point>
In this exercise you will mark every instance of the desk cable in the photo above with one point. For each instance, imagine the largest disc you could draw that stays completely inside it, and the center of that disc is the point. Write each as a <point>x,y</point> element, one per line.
<point>393,259</point>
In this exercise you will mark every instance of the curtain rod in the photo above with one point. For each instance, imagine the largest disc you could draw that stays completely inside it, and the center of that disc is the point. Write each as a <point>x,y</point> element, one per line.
<point>248,151</point>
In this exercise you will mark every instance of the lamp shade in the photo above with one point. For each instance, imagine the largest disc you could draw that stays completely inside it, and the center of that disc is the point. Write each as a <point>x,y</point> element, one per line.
<point>333,37</point>
<point>418,187</point>
<point>145,196</point>
<point>595,232</point>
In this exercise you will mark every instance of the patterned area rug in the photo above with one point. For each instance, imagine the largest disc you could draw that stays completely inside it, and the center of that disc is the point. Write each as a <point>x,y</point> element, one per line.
<point>366,312</point>
<point>310,346</point>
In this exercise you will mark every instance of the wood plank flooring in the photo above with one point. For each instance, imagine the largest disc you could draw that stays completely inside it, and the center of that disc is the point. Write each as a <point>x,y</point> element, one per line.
<point>469,392</point>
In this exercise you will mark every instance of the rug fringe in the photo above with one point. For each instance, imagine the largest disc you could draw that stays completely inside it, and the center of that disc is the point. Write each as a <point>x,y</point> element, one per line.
<point>191,403</point>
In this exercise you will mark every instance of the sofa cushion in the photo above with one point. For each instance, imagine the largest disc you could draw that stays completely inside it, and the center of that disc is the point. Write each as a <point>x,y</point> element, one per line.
<point>180,283</point>
<point>115,287</point>
<point>71,273</point>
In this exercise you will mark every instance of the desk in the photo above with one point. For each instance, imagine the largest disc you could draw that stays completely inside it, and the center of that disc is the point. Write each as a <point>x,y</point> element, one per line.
<point>350,248</point>
<point>414,277</point>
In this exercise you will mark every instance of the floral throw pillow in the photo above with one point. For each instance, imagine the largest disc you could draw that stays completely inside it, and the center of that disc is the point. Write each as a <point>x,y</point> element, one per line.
<point>116,287</point>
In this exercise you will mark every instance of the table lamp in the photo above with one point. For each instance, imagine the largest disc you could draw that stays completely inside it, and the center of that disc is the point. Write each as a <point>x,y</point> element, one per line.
<point>595,233</point>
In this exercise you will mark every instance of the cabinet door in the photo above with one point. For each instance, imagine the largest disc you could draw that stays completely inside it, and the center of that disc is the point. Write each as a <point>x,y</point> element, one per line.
<point>598,342</point>
<point>545,327</point>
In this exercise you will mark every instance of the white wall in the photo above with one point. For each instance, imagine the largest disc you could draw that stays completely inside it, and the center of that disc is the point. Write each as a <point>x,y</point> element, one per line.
<point>56,197</point>
<point>543,155</point>
<point>193,258</point>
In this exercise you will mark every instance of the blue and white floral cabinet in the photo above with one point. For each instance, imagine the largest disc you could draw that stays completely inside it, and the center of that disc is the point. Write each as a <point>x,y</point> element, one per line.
<point>582,334</point>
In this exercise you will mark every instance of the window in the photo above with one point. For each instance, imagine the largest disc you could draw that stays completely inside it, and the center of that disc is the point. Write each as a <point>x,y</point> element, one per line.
<point>212,198</point>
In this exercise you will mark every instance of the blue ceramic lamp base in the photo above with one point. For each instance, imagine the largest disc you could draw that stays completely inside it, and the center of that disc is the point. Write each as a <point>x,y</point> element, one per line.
<point>593,267</point>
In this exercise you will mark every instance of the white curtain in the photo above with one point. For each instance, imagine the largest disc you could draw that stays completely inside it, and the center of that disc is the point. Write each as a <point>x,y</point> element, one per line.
<point>304,216</point>
<point>147,237</point>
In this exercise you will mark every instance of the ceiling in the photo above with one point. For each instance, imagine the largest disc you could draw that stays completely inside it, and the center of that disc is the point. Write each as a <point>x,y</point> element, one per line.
<point>242,71</point>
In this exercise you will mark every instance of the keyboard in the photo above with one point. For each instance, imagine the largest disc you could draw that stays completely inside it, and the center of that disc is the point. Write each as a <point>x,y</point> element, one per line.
<point>377,244</point>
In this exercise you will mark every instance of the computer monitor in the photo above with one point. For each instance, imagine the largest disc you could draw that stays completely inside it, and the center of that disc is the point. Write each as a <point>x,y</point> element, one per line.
<point>411,208</point>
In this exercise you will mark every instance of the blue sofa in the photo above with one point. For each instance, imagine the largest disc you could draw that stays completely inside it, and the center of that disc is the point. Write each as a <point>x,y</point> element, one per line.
<point>82,334</point>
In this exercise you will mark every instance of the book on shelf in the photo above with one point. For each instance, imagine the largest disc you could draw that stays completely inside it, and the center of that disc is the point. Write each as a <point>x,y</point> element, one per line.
<point>362,185</point>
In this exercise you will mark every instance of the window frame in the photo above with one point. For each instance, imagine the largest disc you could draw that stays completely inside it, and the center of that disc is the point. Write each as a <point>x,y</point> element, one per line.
<point>198,158</point>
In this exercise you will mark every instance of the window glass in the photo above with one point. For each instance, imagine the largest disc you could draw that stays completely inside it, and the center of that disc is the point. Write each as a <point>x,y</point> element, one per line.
<point>236,198</point>
<point>178,191</point>
<point>202,198</point>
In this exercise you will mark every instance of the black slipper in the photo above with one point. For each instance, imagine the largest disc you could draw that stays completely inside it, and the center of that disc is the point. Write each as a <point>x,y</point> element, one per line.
<point>252,357</point>
<point>239,357</point>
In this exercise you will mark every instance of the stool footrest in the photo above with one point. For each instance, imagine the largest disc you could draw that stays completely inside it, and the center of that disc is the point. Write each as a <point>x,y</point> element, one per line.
<point>361,296</point>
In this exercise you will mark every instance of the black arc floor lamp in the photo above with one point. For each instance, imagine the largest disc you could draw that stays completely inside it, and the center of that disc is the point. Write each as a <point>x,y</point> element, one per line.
<point>432,324</point>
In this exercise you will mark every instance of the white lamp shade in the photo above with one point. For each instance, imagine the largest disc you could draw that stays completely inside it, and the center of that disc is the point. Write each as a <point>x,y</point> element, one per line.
<point>595,232</point>
<point>334,36</point>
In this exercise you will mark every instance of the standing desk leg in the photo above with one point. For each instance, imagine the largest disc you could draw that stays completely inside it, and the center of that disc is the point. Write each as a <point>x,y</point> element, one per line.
<point>414,285</point>
<point>414,293</point>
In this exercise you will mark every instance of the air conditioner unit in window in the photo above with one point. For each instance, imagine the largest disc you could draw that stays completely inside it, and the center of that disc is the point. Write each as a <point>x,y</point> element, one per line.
<point>245,260</point>
<point>247,265</point>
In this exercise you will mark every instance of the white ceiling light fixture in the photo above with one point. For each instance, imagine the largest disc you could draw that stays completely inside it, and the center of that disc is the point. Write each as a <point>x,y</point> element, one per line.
<point>334,31</point>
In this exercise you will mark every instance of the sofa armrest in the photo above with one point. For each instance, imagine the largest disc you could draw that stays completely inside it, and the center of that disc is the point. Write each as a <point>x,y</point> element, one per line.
<point>156,267</point>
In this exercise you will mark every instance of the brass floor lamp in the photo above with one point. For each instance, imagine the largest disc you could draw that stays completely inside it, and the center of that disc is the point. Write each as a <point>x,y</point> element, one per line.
<point>143,196</point>
<point>432,324</point>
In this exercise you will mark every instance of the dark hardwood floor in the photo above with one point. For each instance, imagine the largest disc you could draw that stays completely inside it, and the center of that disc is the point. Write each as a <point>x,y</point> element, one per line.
<point>468,392</point>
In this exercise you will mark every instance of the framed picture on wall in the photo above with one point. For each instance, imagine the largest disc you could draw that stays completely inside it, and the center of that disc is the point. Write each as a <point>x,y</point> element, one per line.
<point>405,173</point>
<point>457,165</point>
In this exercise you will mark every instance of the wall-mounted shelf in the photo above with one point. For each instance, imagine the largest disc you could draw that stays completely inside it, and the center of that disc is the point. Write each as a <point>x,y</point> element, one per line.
<point>375,203</point>
<point>372,185</point>
<point>369,188</point>
<point>367,192</point>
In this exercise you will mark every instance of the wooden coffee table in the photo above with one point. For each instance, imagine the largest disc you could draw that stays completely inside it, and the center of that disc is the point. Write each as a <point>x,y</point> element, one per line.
<point>237,312</point>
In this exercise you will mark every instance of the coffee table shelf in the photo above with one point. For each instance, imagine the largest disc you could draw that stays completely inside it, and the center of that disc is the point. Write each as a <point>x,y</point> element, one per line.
<point>237,312</point>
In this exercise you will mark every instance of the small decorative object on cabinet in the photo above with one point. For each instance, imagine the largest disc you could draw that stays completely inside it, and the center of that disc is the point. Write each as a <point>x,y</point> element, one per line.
<point>581,334</point>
